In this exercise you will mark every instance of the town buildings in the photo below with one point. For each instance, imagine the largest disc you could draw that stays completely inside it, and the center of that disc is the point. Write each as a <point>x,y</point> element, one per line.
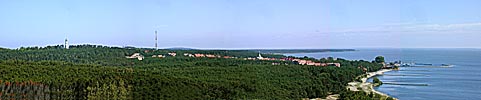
<point>259,57</point>
<point>136,55</point>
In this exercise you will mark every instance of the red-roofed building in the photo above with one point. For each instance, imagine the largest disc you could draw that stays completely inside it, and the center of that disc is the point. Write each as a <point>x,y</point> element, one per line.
<point>199,55</point>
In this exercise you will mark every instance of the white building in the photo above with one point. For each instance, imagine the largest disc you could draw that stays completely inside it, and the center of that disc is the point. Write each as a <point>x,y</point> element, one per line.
<point>66,44</point>
<point>136,55</point>
<point>260,56</point>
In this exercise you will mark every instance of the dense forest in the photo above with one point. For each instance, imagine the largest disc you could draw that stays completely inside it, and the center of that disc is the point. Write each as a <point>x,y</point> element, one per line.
<point>96,72</point>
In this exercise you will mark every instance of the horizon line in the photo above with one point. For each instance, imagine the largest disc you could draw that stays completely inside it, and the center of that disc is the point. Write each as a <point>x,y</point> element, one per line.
<point>200,48</point>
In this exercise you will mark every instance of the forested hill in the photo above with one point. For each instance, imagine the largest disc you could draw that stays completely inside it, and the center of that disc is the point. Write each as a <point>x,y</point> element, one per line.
<point>99,72</point>
<point>104,55</point>
<point>3,48</point>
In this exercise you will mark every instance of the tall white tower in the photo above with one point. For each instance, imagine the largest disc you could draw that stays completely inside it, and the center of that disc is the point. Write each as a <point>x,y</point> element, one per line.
<point>260,56</point>
<point>155,40</point>
<point>66,43</point>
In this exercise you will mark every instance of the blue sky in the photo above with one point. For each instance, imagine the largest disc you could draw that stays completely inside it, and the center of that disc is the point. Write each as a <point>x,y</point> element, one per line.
<point>243,23</point>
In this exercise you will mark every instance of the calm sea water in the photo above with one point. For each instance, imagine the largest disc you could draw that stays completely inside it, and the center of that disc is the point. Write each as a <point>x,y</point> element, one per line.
<point>460,82</point>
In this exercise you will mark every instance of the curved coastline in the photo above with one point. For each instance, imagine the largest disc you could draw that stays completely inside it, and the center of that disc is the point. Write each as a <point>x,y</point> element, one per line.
<point>380,72</point>
<point>367,86</point>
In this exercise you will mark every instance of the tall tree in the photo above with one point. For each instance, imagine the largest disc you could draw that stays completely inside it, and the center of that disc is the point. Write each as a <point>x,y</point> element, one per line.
<point>379,59</point>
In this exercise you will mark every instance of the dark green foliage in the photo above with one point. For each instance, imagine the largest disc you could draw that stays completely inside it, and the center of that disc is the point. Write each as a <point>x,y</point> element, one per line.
<point>376,81</point>
<point>96,72</point>
<point>105,56</point>
<point>379,59</point>
<point>3,48</point>
<point>355,95</point>
<point>27,90</point>
<point>361,95</point>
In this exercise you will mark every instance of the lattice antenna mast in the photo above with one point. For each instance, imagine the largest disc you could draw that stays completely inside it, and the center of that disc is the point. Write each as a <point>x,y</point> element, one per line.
<point>155,40</point>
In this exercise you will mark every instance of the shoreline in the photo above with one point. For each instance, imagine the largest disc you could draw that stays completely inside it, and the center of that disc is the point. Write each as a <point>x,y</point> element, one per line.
<point>368,86</point>
<point>380,72</point>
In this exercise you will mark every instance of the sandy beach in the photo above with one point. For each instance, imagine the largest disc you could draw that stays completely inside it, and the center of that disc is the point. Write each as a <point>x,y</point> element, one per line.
<point>367,86</point>
<point>364,86</point>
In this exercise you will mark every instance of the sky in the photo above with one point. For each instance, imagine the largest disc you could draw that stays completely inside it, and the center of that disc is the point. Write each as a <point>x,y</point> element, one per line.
<point>243,24</point>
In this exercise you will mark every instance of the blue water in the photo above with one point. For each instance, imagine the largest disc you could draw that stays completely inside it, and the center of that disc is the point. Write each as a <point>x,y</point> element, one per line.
<point>460,82</point>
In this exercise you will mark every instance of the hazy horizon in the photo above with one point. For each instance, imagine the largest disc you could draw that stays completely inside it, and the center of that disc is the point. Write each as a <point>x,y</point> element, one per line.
<point>187,47</point>
<point>241,24</point>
